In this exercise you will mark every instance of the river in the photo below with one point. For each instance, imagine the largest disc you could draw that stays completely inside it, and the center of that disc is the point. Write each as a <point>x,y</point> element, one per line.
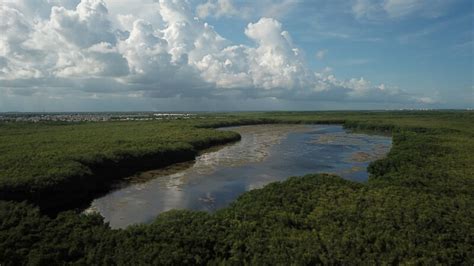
<point>266,153</point>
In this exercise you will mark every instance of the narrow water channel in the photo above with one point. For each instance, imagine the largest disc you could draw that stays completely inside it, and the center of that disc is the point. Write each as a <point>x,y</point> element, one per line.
<point>266,153</point>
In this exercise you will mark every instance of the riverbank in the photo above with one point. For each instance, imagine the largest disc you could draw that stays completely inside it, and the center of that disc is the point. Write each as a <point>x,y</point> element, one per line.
<point>92,173</point>
<point>61,175</point>
<point>266,153</point>
<point>60,167</point>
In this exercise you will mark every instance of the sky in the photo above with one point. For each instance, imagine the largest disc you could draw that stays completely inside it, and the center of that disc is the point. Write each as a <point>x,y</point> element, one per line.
<point>232,55</point>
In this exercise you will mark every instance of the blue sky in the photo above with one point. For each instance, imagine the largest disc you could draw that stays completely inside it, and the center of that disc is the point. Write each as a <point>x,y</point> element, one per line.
<point>420,53</point>
<point>92,55</point>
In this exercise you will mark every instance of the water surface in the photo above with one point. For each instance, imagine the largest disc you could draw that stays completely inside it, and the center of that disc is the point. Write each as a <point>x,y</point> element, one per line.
<point>266,153</point>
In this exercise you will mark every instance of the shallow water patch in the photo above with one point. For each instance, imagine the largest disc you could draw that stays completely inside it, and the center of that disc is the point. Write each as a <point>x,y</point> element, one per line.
<point>266,153</point>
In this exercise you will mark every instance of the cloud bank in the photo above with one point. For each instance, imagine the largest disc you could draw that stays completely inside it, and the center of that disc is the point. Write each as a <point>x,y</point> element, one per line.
<point>63,47</point>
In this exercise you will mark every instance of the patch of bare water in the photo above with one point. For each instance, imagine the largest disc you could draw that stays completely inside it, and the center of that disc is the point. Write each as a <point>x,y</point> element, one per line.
<point>266,153</point>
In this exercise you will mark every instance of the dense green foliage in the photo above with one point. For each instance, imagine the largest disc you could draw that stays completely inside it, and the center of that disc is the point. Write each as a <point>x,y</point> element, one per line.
<point>39,161</point>
<point>417,206</point>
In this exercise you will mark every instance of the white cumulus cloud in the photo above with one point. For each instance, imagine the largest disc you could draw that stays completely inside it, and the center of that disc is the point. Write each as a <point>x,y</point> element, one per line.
<point>217,8</point>
<point>80,46</point>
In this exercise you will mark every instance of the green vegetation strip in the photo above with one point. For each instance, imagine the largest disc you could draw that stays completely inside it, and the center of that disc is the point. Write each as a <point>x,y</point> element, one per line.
<point>61,165</point>
<point>417,206</point>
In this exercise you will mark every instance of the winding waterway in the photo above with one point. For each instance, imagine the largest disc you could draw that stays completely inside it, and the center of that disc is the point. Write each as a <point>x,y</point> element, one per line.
<point>266,153</point>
